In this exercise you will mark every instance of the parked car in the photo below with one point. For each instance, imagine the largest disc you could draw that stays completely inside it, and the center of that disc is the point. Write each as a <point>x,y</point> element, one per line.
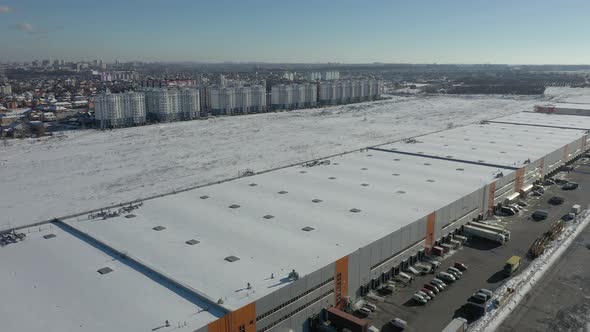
<point>522,203</point>
<point>418,298</point>
<point>422,267</point>
<point>455,272</point>
<point>548,182</point>
<point>478,298</point>
<point>487,292</point>
<point>460,266</point>
<point>432,288</point>
<point>506,211</point>
<point>438,282</point>
<point>424,295</point>
<point>364,311</point>
<point>540,215</point>
<point>570,186</point>
<point>399,323</point>
<point>433,262</point>
<point>428,292</point>
<point>445,276</point>
<point>371,306</point>
<point>414,271</point>
<point>556,200</point>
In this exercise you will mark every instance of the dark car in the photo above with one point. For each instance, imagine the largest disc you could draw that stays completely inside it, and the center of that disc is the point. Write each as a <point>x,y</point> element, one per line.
<point>570,186</point>
<point>539,215</point>
<point>556,200</point>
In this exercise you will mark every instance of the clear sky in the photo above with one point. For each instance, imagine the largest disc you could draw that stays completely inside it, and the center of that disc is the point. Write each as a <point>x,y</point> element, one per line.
<point>348,31</point>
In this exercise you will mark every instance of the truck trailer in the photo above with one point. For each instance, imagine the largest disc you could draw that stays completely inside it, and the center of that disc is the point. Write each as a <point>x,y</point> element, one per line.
<point>484,233</point>
<point>492,228</point>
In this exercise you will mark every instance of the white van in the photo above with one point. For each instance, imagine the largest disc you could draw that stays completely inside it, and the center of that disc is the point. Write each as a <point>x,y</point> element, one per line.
<point>371,306</point>
<point>404,277</point>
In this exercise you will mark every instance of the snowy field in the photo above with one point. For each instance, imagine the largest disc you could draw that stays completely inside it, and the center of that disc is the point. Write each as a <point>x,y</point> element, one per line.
<point>569,95</point>
<point>57,176</point>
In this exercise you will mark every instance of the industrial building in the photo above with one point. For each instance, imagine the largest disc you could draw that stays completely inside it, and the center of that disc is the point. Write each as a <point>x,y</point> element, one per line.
<point>564,108</point>
<point>293,96</point>
<point>347,91</point>
<point>165,105</point>
<point>269,252</point>
<point>113,110</point>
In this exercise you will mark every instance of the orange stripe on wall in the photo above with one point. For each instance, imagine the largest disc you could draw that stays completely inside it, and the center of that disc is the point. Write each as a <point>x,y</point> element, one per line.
<point>430,220</point>
<point>341,281</point>
<point>519,179</point>
<point>244,317</point>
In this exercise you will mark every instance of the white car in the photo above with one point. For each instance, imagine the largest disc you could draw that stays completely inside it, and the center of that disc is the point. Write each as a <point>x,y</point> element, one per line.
<point>399,323</point>
<point>365,311</point>
<point>439,283</point>
<point>423,268</point>
<point>424,295</point>
<point>419,299</point>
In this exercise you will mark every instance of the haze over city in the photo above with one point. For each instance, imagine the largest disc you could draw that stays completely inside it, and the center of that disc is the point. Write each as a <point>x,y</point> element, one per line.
<point>349,31</point>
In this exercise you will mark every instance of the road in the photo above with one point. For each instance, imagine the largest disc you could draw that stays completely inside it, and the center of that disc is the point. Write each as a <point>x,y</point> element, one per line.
<point>485,260</point>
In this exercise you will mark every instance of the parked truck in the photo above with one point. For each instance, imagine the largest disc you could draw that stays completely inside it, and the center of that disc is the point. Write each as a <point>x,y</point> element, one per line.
<point>492,228</point>
<point>511,265</point>
<point>458,324</point>
<point>576,209</point>
<point>484,233</point>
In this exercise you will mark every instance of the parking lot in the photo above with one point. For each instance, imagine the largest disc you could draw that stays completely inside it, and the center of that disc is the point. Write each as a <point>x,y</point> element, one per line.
<point>485,260</point>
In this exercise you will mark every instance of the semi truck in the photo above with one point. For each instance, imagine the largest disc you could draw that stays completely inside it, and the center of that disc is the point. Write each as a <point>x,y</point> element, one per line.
<point>458,324</point>
<point>493,228</point>
<point>484,233</point>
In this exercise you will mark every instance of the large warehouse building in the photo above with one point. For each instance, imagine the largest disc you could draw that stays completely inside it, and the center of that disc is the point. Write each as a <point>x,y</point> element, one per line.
<point>270,251</point>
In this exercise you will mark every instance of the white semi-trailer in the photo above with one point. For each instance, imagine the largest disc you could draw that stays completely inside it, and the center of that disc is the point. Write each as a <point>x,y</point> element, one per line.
<point>497,229</point>
<point>484,233</point>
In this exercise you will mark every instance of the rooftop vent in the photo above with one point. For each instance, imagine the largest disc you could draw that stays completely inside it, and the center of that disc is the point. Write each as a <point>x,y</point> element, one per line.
<point>335,164</point>
<point>430,180</point>
<point>449,157</point>
<point>355,210</point>
<point>159,228</point>
<point>502,151</point>
<point>282,192</point>
<point>49,236</point>
<point>364,169</point>
<point>332,178</point>
<point>460,169</point>
<point>316,200</point>
<point>400,192</point>
<point>232,259</point>
<point>192,242</point>
<point>396,159</point>
<point>131,215</point>
<point>420,152</point>
<point>519,145</point>
<point>474,148</point>
<point>364,184</point>
<point>395,174</point>
<point>234,206</point>
<point>446,145</point>
<point>252,184</point>
<point>370,155</point>
<point>466,139</point>
<point>427,164</point>
<point>307,228</point>
<point>104,270</point>
<point>492,142</point>
<point>268,216</point>
<point>481,161</point>
<point>204,197</point>
<point>302,172</point>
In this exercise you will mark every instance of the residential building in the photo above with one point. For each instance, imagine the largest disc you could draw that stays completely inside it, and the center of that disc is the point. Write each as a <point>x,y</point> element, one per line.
<point>237,100</point>
<point>5,90</point>
<point>165,105</point>
<point>119,110</point>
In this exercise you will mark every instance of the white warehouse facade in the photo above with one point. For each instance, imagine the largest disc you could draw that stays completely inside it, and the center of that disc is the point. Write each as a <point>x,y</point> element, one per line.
<point>271,251</point>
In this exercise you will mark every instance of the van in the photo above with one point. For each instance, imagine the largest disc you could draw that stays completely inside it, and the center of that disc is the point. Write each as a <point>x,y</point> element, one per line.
<point>365,311</point>
<point>576,209</point>
<point>371,306</point>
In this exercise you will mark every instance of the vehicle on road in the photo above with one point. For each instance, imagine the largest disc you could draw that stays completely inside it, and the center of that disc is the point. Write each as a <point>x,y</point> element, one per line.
<point>432,288</point>
<point>364,311</point>
<point>458,324</point>
<point>570,186</point>
<point>556,200</point>
<point>487,292</point>
<point>445,276</point>
<point>428,292</point>
<point>511,265</point>
<point>416,297</point>
<point>460,266</point>
<point>539,215</point>
<point>399,323</point>
<point>484,234</point>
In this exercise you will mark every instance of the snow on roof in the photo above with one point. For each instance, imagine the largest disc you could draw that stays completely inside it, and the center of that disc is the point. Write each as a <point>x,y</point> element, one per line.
<point>301,218</point>
<point>575,106</point>
<point>548,120</point>
<point>493,143</point>
<point>53,283</point>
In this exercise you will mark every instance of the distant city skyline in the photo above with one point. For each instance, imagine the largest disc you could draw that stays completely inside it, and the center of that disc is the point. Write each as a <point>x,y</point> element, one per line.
<point>304,31</point>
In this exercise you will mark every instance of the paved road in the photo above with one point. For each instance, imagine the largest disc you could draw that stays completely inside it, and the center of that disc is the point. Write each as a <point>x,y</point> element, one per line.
<point>561,299</point>
<point>485,261</point>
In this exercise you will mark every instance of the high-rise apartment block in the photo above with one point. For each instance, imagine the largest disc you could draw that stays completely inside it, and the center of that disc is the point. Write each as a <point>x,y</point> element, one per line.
<point>291,96</point>
<point>237,100</point>
<point>119,110</point>
<point>165,105</point>
<point>345,91</point>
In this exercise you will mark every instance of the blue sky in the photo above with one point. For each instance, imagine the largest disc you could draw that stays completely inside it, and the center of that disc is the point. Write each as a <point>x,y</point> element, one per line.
<point>412,31</point>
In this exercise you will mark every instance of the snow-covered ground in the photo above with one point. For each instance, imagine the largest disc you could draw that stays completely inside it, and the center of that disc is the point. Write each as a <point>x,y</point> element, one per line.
<point>569,95</point>
<point>61,175</point>
<point>526,280</point>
